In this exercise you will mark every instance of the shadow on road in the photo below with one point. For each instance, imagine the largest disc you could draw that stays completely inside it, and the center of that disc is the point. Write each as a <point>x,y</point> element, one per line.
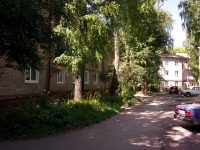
<point>192,128</point>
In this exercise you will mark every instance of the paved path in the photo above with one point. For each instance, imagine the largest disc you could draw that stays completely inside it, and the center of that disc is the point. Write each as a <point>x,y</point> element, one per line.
<point>140,127</point>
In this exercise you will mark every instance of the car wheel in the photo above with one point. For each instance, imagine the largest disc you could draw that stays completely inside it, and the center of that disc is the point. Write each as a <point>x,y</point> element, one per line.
<point>187,94</point>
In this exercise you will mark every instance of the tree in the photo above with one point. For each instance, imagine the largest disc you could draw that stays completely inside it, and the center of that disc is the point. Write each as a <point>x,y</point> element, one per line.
<point>178,50</point>
<point>86,37</point>
<point>25,28</point>
<point>19,35</point>
<point>119,12</point>
<point>142,43</point>
<point>190,15</point>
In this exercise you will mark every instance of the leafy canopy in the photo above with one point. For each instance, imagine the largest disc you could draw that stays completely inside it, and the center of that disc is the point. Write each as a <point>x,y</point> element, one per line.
<point>25,28</point>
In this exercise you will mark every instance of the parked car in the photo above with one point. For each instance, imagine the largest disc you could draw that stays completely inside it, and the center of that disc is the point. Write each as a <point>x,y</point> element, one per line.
<point>189,92</point>
<point>188,113</point>
<point>173,89</point>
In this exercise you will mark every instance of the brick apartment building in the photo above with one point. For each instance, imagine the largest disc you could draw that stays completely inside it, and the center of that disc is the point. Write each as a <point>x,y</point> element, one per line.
<point>16,86</point>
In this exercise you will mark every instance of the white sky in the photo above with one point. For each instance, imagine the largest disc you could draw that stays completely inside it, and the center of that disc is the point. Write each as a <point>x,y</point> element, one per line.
<point>178,34</point>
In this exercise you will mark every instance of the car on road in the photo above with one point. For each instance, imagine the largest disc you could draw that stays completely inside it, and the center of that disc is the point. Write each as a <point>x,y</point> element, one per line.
<point>188,113</point>
<point>191,92</point>
<point>173,89</point>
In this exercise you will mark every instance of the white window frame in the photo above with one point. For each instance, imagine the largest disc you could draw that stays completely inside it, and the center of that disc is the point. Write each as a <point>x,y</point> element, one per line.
<point>167,72</point>
<point>166,83</point>
<point>95,78</point>
<point>176,73</point>
<point>30,76</point>
<point>176,83</point>
<point>176,63</point>
<point>86,77</point>
<point>61,75</point>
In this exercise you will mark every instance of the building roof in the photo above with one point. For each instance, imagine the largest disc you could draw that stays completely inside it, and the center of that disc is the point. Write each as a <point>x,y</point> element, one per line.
<point>174,55</point>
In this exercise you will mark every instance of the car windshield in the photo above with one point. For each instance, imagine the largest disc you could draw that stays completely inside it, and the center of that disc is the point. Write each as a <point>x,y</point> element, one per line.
<point>197,100</point>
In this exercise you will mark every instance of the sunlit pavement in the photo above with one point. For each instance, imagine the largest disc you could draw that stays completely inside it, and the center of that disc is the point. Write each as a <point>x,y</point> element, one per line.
<point>178,135</point>
<point>148,125</point>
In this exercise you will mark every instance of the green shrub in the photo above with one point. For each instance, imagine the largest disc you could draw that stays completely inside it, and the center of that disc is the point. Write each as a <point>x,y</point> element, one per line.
<point>154,88</point>
<point>44,100</point>
<point>30,120</point>
<point>166,89</point>
<point>63,96</point>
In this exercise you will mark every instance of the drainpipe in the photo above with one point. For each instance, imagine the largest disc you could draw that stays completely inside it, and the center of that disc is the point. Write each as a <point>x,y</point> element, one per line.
<point>49,62</point>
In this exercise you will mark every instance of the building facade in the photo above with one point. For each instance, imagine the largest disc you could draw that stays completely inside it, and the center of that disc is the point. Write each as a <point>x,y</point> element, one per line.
<point>16,85</point>
<point>176,71</point>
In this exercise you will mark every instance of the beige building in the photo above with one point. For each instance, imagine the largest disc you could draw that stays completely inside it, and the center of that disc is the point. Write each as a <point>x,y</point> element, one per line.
<point>176,71</point>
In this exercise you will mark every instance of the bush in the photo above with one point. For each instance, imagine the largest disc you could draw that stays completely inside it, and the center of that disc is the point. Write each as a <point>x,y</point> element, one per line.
<point>166,89</point>
<point>154,88</point>
<point>30,120</point>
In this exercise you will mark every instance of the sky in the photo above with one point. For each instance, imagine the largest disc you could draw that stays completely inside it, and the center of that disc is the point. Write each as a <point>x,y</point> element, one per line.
<point>178,33</point>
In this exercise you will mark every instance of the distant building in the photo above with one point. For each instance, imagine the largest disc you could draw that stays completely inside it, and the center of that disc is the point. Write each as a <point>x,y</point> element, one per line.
<point>176,71</point>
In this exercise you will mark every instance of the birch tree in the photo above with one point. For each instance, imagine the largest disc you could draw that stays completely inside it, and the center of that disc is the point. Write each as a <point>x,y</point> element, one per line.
<point>190,16</point>
<point>86,37</point>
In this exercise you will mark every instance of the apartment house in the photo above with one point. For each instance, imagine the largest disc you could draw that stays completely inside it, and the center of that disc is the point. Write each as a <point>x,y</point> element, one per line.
<point>176,71</point>
<point>16,86</point>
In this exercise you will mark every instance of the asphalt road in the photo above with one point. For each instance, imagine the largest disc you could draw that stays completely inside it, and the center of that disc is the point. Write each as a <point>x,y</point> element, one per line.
<point>148,125</point>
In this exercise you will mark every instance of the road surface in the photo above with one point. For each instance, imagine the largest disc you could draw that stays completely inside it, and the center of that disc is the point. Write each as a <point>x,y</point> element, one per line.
<point>148,125</point>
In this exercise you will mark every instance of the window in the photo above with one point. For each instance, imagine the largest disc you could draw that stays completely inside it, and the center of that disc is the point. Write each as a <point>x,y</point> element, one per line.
<point>86,77</point>
<point>166,63</point>
<point>176,83</point>
<point>166,83</point>
<point>176,73</point>
<point>31,76</point>
<point>95,78</point>
<point>61,76</point>
<point>166,72</point>
<point>176,63</point>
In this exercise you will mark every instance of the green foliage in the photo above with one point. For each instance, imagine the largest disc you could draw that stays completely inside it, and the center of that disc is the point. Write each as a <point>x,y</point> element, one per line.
<point>178,50</point>
<point>44,100</point>
<point>85,36</point>
<point>63,96</point>
<point>166,89</point>
<point>154,88</point>
<point>106,75</point>
<point>129,101</point>
<point>33,121</point>
<point>139,48</point>
<point>190,15</point>
<point>25,28</point>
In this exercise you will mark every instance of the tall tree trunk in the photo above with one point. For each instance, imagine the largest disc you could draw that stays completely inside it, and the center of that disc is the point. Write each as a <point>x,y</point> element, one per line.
<point>79,85</point>
<point>145,88</point>
<point>117,52</point>
<point>114,82</point>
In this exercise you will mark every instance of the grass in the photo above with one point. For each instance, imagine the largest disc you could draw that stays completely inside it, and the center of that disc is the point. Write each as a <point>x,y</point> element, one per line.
<point>53,117</point>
